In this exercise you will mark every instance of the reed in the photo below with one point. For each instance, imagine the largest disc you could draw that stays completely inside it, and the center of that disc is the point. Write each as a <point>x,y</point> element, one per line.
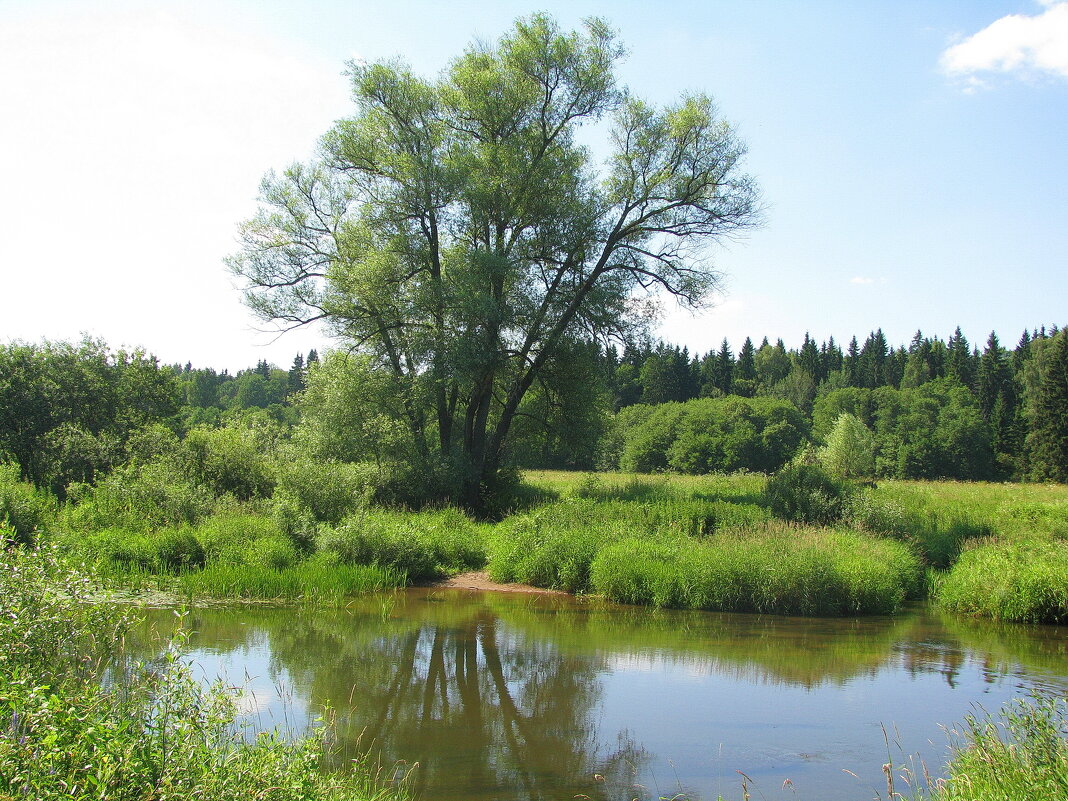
<point>1019,753</point>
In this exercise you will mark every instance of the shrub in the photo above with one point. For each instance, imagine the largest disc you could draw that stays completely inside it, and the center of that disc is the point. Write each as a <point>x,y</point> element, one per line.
<point>231,460</point>
<point>177,549</point>
<point>273,553</point>
<point>140,497</point>
<point>24,508</point>
<point>328,490</point>
<point>804,493</point>
<point>227,537</point>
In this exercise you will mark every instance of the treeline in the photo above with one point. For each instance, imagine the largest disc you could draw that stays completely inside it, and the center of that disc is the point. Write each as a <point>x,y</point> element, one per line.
<point>72,413</point>
<point>935,409</point>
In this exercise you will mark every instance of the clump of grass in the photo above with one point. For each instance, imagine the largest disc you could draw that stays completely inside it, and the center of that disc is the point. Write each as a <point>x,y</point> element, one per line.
<point>1021,753</point>
<point>775,569</point>
<point>553,546</point>
<point>937,531</point>
<point>317,581</point>
<point>1023,581</point>
<point>806,493</point>
<point>419,544</point>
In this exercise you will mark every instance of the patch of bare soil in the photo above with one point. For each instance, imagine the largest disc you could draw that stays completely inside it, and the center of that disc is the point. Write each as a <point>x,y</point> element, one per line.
<point>480,580</point>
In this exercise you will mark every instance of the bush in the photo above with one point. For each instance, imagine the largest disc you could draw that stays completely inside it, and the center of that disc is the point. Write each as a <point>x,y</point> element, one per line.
<point>24,508</point>
<point>227,537</point>
<point>231,460</point>
<point>805,493</point>
<point>328,490</point>
<point>177,549</point>
<point>140,497</point>
<point>273,553</point>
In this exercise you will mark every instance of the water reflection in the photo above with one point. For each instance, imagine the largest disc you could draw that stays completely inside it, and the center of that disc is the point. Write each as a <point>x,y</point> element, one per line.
<point>540,697</point>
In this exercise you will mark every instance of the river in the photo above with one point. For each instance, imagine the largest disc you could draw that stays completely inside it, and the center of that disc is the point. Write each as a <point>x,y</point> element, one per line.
<point>509,696</point>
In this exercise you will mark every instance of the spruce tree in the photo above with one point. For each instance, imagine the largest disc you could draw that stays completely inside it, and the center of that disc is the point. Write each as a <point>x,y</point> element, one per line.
<point>1049,434</point>
<point>724,370</point>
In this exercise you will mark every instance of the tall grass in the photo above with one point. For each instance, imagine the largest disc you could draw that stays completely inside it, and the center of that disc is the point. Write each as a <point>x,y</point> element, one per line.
<point>775,569</point>
<point>419,544</point>
<point>1024,581</point>
<point>673,554</point>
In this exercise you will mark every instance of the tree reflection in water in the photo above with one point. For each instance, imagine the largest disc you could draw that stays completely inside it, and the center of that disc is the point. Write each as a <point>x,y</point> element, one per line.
<point>479,705</point>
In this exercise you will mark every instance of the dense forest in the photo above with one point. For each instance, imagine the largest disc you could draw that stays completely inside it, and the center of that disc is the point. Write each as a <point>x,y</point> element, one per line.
<point>72,413</point>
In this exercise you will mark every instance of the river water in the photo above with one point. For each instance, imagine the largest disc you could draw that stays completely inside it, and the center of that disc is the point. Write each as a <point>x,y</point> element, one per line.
<point>511,696</point>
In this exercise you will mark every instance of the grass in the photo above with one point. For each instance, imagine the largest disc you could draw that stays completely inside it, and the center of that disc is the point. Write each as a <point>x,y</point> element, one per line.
<point>676,527</point>
<point>778,569</point>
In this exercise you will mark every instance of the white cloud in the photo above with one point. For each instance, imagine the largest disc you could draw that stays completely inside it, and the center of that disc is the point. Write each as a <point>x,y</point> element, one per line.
<point>862,280</point>
<point>1015,44</point>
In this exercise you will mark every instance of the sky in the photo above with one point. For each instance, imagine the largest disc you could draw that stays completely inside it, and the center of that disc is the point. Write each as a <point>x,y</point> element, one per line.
<point>912,155</point>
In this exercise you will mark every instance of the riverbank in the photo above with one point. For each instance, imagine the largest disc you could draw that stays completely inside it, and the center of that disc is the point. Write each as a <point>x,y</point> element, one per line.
<point>703,542</point>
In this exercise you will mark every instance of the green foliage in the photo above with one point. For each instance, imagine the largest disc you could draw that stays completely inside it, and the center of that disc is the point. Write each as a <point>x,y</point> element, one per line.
<point>25,509</point>
<point>66,407</point>
<point>233,460</point>
<point>177,549</point>
<point>849,452</point>
<point>555,545</point>
<point>804,493</point>
<point>1049,434</point>
<point>714,434</point>
<point>327,490</point>
<point>162,734</point>
<point>140,497</point>
<point>1024,581</point>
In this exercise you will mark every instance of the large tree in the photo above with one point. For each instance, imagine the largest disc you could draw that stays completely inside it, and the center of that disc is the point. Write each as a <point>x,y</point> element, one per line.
<point>457,232</point>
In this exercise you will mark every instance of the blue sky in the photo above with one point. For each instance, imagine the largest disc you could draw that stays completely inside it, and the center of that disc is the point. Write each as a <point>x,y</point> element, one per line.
<point>912,156</point>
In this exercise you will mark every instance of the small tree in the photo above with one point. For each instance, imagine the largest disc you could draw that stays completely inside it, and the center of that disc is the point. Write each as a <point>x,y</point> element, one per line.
<point>849,452</point>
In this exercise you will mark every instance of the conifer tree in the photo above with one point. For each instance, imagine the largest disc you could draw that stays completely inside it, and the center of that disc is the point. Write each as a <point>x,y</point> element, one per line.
<point>809,358</point>
<point>1049,435</point>
<point>850,365</point>
<point>724,369</point>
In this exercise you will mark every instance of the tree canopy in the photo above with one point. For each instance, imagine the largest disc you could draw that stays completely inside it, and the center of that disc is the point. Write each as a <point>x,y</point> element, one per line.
<point>457,233</point>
